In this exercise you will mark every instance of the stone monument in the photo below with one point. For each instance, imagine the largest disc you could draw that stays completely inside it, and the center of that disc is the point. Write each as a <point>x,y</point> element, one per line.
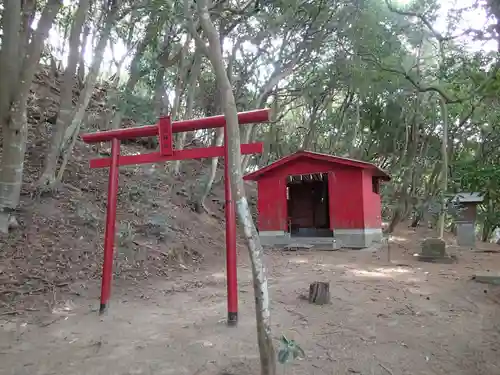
<point>434,250</point>
<point>465,218</point>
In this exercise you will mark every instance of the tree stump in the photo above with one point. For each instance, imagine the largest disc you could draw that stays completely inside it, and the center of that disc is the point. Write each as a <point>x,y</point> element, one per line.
<point>319,293</point>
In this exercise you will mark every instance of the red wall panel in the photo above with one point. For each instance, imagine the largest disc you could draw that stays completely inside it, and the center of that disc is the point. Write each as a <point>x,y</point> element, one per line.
<point>271,203</point>
<point>371,202</point>
<point>346,197</point>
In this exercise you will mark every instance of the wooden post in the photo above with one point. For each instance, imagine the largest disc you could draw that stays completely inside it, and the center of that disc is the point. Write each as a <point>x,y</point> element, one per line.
<point>319,293</point>
<point>109,234</point>
<point>231,265</point>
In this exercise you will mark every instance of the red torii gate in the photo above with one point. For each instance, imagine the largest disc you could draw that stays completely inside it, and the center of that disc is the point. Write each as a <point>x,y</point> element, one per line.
<point>164,130</point>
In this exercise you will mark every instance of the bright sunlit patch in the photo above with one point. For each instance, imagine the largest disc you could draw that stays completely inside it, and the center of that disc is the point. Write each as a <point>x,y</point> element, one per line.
<point>219,275</point>
<point>392,270</point>
<point>64,309</point>
<point>366,273</point>
<point>399,239</point>
<point>379,272</point>
<point>299,260</point>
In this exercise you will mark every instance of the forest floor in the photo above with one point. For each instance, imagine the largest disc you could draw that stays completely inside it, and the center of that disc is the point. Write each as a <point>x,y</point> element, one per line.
<point>397,317</point>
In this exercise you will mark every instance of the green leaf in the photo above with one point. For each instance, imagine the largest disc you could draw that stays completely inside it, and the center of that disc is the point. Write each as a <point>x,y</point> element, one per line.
<point>284,340</point>
<point>283,355</point>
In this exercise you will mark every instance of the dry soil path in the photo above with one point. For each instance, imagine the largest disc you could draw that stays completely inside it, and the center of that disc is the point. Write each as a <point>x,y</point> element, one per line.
<point>403,318</point>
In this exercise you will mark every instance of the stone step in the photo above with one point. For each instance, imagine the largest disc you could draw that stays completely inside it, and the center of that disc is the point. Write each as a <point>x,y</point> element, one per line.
<point>487,278</point>
<point>318,245</point>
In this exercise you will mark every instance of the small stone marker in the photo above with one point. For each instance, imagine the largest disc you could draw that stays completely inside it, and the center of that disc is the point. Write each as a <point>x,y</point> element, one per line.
<point>434,250</point>
<point>434,247</point>
<point>319,293</point>
<point>466,235</point>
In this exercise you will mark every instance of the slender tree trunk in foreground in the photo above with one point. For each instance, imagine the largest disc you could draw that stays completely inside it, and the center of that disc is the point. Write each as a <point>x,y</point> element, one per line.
<point>263,316</point>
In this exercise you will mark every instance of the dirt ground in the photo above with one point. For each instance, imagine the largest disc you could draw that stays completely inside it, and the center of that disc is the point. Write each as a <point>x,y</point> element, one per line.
<point>397,317</point>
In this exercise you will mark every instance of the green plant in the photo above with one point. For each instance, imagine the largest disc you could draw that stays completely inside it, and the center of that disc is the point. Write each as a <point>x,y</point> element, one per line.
<point>289,351</point>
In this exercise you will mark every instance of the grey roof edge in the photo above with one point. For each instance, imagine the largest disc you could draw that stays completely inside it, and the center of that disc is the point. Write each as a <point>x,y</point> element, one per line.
<point>465,197</point>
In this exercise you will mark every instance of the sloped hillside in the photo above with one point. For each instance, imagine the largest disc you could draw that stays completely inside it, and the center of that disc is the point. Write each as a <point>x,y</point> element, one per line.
<point>60,237</point>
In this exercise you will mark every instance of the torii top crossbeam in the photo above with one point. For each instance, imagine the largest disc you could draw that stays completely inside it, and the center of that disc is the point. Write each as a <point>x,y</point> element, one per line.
<point>260,115</point>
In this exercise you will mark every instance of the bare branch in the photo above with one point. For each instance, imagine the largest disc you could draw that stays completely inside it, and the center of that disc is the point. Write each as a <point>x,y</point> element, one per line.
<point>420,16</point>
<point>439,37</point>
<point>192,29</point>
<point>243,10</point>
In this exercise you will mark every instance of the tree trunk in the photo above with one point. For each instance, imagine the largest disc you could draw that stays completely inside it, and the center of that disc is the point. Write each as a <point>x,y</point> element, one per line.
<point>207,186</point>
<point>9,55</point>
<point>134,70</point>
<point>214,52</point>
<point>48,177</point>
<point>444,170</point>
<point>395,220</point>
<point>268,142</point>
<point>332,147</point>
<point>160,96</point>
<point>311,129</point>
<point>248,131</point>
<point>81,60</point>
<point>487,231</point>
<point>357,127</point>
<point>191,87</point>
<point>15,126</point>
<point>218,137</point>
<point>279,73</point>
<point>85,95</point>
<point>29,13</point>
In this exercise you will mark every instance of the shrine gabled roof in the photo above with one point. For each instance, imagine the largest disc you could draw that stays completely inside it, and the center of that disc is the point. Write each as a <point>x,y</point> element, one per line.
<point>321,157</point>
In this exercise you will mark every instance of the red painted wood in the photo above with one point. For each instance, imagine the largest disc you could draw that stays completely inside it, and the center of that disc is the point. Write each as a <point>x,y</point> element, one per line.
<point>260,115</point>
<point>351,204</point>
<point>165,136</point>
<point>231,255</point>
<point>272,204</point>
<point>347,206</point>
<point>192,153</point>
<point>319,157</point>
<point>372,206</point>
<point>109,234</point>
<point>332,181</point>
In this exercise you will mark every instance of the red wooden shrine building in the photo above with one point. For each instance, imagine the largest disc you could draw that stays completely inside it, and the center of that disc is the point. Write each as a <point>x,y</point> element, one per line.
<point>319,198</point>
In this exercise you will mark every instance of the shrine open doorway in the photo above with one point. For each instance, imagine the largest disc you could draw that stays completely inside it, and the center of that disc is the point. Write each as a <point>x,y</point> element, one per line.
<point>308,205</point>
